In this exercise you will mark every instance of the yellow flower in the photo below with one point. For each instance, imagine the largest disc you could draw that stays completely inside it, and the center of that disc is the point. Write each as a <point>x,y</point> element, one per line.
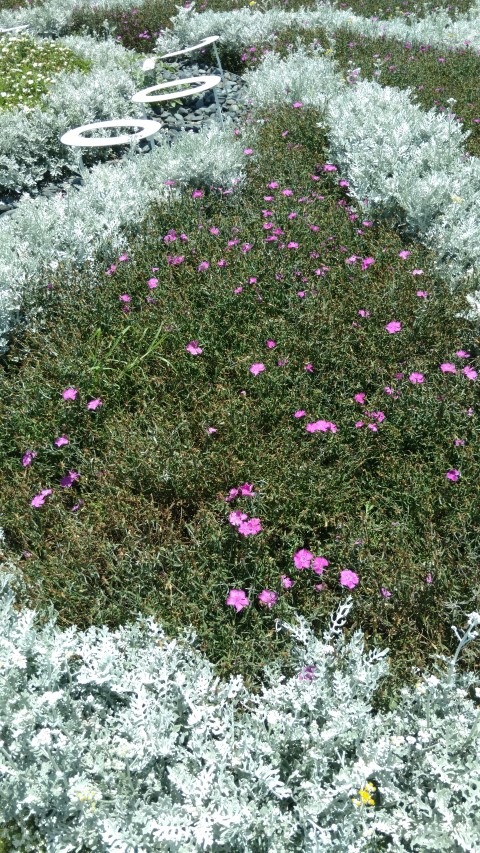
<point>456,198</point>
<point>365,795</point>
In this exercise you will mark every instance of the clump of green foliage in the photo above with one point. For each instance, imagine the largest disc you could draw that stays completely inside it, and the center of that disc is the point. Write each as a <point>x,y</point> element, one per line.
<point>153,532</point>
<point>28,68</point>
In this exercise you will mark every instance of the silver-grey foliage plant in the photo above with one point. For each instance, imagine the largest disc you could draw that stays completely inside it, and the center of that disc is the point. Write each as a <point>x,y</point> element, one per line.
<point>126,741</point>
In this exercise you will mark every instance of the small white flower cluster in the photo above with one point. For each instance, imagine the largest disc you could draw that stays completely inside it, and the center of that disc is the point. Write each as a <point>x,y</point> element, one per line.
<point>127,740</point>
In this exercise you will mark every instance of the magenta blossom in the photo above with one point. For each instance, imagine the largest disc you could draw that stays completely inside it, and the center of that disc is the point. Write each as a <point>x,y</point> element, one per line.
<point>268,597</point>
<point>393,326</point>
<point>447,367</point>
<point>470,373</point>
<point>69,479</point>
<point>416,378</point>
<point>302,559</point>
<point>319,564</point>
<point>286,582</point>
<point>69,394</point>
<point>193,348</point>
<point>257,368</point>
<point>321,426</point>
<point>453,475</point>
<point>386,593</point>
<point>237,517</point>
<point>250,528</point>
<point>39,500</point>
<point>247,489</point>
<point>237,598</point>
<point>28,458</point>
<point>61,440</point>
<point>94,404</point>
<point>360,398</point>
<point>271,344</point>
<point>348,578</point>
<point>299,414</point>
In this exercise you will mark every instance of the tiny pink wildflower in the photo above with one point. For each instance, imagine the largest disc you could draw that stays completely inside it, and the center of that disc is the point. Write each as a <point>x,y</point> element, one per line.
<point>61,441</point>
<point>69,394</point>
<point>237,517</point>
<point>302,559</point>
<point>28,458</point>
<point>386,593</point>
<point>69,479</point>
<point>453,475</point>
<point>237,598</point>
<point>416,378</point>
<point>152,282</point>
<point>94,404</point>
<point>268,597</point>
<point>393,326</point>
<point>300,413</point>
<point>447,367</point>
<point>470,373</point>
<point>271,344</point>
<point>250,527</point>
<point>193,348</point>
<point>286,582</point>
<point>360,398</point>
<point>348,578</point>
<point>319,564</point>
<point>39,500</point>
<point>257,368</point>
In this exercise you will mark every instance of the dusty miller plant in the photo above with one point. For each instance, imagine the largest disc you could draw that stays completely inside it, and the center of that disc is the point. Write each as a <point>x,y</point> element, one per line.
<point>127,741</point>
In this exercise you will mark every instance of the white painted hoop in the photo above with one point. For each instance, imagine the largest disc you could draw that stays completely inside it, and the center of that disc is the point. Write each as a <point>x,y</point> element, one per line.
<point>143,97</point>
<point>74,137</point>
<point>203,43</point>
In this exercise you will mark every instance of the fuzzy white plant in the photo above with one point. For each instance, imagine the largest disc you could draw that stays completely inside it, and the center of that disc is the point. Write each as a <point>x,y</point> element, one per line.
<point>30,147</point>
<point>127,741</point>
<point>243,27</point>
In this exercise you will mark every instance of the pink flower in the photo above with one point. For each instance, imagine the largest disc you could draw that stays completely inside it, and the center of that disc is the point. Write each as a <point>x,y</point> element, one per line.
<point>211,430</point>
<point>125,298</point>
<point>417,272</point>
<point>462,354</point>
<point>203,266</point>
<point>248,151</point>
<point>69,479</point>
<point>309,367</point>
<point>386,593</point>
<point>286,582</point>
<point>300,413</point>
<point>94,404</point>
<point>238,290</point>
<point>152,282</point>
<point>301,294</point>
<point>447,367</point>
<point>453,475</point>
<point>28,458</point>
<point>39,500</point>
<point>416,378</point>
<point>69,394</point>
<point>348,578</point>
<point>238,599</point>
<point>459,442</point>
<point>233,493</point>
<point>393,326</point>
<point>359,424</point>
<point>237,517</point>
<point>366,262</point>
<point>319,564</point>
<point>403,254</point>
<point>373,427</point>
<point>422,293</point>
<point>302,559</point>
<point>61,441</point>
<point>257,368</point>
<point>360,398</point>
<point>364,313</point>
<point>193,348</point>
<point>428,578</point>
<point>271,344</point>
<point>123,257</point>
<point>307,673</point>
<point>247,489</point>
<point>268,597</point>
<point>321,426</point>
<point>470,373</point>
<point>250,528</point>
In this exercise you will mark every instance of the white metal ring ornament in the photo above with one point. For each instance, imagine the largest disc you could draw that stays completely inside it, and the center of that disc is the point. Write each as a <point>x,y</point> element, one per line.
<point>74,137</point>
<point>203,43</point>
<point>207,81</point>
